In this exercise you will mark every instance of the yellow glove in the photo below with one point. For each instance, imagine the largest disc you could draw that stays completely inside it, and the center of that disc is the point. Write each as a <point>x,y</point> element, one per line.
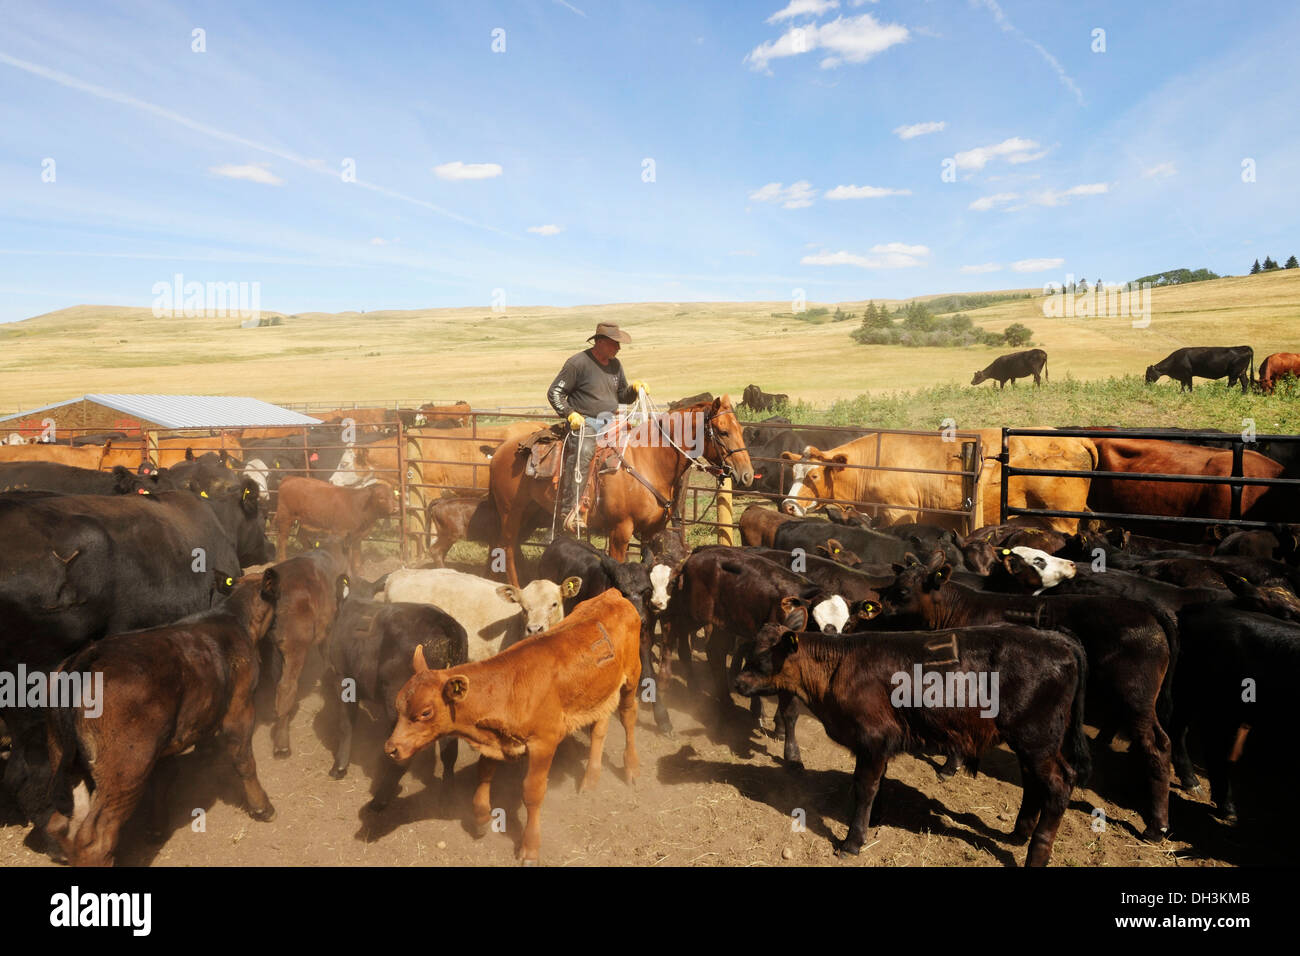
<point>575,420</point>
<point>640,386</point>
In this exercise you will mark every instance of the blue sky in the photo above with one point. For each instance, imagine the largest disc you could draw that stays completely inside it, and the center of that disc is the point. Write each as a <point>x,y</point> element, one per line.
<point>226,165</point>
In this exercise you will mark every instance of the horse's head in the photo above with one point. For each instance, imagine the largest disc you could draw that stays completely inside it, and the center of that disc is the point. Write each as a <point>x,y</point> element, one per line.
<point>724,442</point>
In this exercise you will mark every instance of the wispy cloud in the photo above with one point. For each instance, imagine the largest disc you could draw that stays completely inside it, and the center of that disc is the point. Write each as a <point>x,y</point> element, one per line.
<point>1008,27</point>
<point>104,93</point>
<point>459,170</point>
<point>1160,171</point>
<point>845,40</point>
<point>801,8</point>
<point>795,196</point>
<point>380,241</point>
<point>920,129</point>
<point>1036,265</point>
<point>1013,150</point>
<point>981,268</point>
<point>986,203</point>
<point>546,230</point>
<point>567,5</point>
<point>255,173</point>
<point>742,252</point>
<point>889,255</point>
<point>864,192</point>
<point>1060,198</point>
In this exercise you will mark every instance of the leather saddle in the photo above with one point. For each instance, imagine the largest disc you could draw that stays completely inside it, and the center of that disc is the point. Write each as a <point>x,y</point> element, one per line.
<point>543,450</point>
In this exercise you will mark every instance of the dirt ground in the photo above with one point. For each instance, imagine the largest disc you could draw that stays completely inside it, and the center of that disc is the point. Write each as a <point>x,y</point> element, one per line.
<point>716,794</point>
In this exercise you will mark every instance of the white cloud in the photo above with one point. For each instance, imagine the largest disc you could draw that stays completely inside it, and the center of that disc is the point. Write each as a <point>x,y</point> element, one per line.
<point>1060,198</point>
<point>851,39</point>
<point>864,192</point>
<point>981,268</point>
<point>1015,150</point>
<point>890,255</point>
<point>742,252</point>
<point>565,3</point>
<point>1036,265</point>
<point>547,230</point>
<point>1160,171</point>
<point>986,203</point>
<point>459,170</point>
<point>920,129</point>
<point>379,241</point>
<point>256,173</point>
<point>800,8</point>
<point>795,196</point>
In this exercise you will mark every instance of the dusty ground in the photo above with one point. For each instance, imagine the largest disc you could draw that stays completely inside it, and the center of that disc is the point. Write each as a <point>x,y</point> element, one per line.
<point>716,795</point>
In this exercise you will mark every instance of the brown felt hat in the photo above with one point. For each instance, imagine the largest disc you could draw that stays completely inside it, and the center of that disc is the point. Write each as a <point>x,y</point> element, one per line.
<point>611,331</point>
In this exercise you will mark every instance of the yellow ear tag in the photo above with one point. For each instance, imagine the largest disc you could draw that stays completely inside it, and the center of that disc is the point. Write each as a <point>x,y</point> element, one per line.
<point>230,582</point>
<point>203,494</point>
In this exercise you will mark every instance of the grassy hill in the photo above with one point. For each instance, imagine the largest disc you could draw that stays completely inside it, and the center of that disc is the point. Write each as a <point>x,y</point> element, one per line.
<point>679,348</point>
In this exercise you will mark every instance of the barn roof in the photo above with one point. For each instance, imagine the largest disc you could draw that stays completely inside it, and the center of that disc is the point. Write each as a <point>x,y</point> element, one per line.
<point>190,411</point>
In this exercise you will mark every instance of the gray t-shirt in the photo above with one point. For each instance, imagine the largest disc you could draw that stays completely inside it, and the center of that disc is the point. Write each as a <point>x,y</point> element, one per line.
<point>589,388</point>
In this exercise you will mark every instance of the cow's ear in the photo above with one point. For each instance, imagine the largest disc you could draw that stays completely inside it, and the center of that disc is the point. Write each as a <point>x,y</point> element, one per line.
<point>790,456</point>
<point>897,569</point>
<point>836,549</point>
<point>418,663</point>
<point>342,588</point>
<point>570,586</point>
<point>868,610</point>
<point>189,454</point>
<point>939,575</point>
<point>791,641</point>
<point>455,689</point>
<point>508,593</point>
<point>837,463</point>
<point>796,613</point>
<point>909,559</point>
<point>270,585</point>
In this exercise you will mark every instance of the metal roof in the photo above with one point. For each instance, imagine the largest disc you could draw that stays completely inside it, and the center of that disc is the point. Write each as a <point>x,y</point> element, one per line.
<point>190,411</point>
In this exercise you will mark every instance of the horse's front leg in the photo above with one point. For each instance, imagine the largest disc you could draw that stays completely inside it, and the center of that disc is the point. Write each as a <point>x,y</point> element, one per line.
<point>619,537</point>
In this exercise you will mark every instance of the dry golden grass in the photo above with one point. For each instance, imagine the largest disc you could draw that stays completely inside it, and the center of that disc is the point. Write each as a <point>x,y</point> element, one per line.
<point>678,348</point>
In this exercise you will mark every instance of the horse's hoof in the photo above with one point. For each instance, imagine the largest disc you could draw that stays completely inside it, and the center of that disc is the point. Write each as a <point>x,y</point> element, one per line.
<point>481,829</point>
<point>794,766</point>
<point>338,773</point>
<point>281,752</point>
<point>848,849</point>
<point>265,815</point>
<point>528,862</point>
<point>1154,834</point>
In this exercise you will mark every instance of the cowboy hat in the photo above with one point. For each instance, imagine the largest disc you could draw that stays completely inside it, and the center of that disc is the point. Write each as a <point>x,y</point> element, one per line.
<point>611,331</point>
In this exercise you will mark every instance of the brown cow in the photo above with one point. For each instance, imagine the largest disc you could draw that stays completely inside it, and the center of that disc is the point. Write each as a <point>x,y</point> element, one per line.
<point>317,505</point>
<point>81,456</point>
<point>163,690</point>
<point>1157,457</point>
<point>458,412</point>
<point>527,699</point>
<point>1276,367</point>
<point>449,520</point>
<point>758,524</point>
<point>303,619</point>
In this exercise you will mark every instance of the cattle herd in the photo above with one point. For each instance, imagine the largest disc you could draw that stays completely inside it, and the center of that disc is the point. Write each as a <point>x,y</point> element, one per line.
<point>145,609</point>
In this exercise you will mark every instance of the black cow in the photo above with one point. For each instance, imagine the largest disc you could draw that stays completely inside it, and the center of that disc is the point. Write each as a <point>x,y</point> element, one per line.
<point>873,547</point>
<point>760,401</point>
<point>75,568</point>
<point>768,439</point>
<point>647,589</point>
<point>1206,362</point>
<point>850,684</point>
<point>1234,685</point>
<point>371,646</point>
<point>71,480</point>
<point>1128,652</point>
<point>1008,368</point>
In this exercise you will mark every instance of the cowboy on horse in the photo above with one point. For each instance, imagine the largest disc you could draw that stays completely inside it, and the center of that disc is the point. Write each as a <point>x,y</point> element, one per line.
<point>587,392</point>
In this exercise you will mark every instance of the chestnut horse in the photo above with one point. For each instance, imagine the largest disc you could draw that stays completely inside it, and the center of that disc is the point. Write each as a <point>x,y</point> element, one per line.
<point>623,504</point>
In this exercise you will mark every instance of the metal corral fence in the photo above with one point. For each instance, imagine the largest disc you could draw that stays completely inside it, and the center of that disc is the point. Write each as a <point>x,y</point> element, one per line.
<point>1237,481</point>
<point>430,462</point>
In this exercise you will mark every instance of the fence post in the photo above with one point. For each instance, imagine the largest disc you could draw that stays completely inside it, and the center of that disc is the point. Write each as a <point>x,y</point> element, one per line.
<point>1238,453</point>
<point>970,485</point>
<point>401,495</point>
<point>726,533</point>
<point>1004,460</point>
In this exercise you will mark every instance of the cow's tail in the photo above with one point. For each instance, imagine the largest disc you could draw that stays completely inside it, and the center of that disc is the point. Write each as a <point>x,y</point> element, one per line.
<point>1252,367</point>
<point>1075,745</point>
<point>1165,699</point>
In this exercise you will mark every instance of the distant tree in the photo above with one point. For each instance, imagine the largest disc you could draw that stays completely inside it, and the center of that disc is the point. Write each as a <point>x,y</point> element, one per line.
<point>1017,334</point>
<point>1291,263</point>
<point>1269,264</point>
<point>839,315</point>
<point>1254,270</point>
<point>1097,284</point>
<point>1083,285</point>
